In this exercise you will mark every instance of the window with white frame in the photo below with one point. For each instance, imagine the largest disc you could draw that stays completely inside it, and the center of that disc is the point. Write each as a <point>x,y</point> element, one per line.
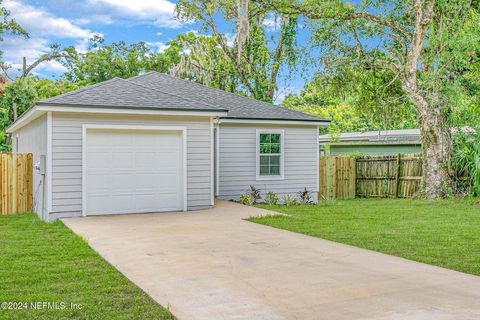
<point>269,154</point>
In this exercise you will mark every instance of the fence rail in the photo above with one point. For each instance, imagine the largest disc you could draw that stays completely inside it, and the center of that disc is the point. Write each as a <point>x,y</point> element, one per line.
<point>397,176</point>
<point>15,183</point>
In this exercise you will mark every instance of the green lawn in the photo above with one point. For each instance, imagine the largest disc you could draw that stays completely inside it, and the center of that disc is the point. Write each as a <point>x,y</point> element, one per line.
<point>443,233</point>
<point>46,262</point>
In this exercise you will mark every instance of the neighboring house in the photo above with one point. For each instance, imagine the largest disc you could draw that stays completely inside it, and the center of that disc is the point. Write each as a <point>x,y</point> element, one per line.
<point>388,142</point>
<point>156,143</point>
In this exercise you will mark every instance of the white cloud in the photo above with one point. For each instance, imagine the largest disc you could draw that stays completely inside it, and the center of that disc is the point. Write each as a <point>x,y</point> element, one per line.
<point>44,28</point>
<point>159,47</point>
<point>230,39</point>
<point>16,48</point>
<point>94,18</point>
<point>272,22</point>
<point>159,12</point>
<point>39,22</point>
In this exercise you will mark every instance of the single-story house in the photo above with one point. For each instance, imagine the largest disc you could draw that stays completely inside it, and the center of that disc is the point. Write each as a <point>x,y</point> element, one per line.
<point>156,143</point>
<point>384,142</point>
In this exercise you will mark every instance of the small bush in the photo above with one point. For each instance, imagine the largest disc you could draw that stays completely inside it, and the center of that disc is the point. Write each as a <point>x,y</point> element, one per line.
<point>304,196</point>
<point>290,201</point>
<point>271,198</point>
<point>247,199</point>
<point>255,194</point>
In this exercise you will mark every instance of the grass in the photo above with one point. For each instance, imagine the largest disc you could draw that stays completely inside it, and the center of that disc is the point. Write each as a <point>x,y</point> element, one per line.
<point>444,233</point>
<point>46,262</point>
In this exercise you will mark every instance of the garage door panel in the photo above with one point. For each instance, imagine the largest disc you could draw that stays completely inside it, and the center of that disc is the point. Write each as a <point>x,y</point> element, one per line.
<point>133,171</point>
<point>122,160</point>
<point>99,160</point>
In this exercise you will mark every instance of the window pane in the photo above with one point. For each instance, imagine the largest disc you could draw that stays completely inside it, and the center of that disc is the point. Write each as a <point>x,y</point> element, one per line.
<point>275,138</point>
<point>275,148</point>
<point>275,160</point>
<point>264,160</point>
<point>265,148</point>
<point>264,170</point>
<point>274,170</point>
<point>265,137</point>
<point>270,143</point>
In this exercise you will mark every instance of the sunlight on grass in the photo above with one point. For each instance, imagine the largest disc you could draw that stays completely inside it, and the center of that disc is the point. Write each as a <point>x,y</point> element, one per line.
<point>444,233</point>
<point>46,262</point>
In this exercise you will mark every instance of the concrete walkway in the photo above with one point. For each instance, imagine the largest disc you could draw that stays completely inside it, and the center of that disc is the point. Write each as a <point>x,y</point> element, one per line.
<point>213,265</point>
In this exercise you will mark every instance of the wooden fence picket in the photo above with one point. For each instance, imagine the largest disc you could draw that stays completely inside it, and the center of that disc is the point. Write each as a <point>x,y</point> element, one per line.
<point>15,183</point>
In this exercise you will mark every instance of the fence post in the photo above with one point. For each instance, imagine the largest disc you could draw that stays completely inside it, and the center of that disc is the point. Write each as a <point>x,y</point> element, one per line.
<point>397,178</point>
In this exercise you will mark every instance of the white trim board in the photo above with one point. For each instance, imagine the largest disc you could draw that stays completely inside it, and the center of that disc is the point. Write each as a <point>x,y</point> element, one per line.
<point>49,165</point>
<point>277,122</point>
<point>212,162</point>
<point>85,127</point>
<point>217,191</point>
<point>39,110</point>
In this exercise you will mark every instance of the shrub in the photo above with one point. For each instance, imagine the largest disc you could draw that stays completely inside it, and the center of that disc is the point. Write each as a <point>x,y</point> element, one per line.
<point>271,198</point>
<point>304,196</point>
<point>247,199</point>
<point>465,162</point>
<point>255,194</point>
<point>290,201</point>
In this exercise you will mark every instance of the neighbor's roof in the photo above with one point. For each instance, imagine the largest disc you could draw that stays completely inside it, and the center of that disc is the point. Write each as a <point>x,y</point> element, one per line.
<point>155,90</point>
<point>408,136</point>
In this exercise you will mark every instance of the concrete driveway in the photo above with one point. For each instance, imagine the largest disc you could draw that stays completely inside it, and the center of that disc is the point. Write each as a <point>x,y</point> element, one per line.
<point>213,265</point>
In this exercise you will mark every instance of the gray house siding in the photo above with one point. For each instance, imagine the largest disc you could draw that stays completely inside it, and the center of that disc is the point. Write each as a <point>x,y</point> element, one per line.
<point>33,139</point>
<point>67,157</point>
<point>237,161</point>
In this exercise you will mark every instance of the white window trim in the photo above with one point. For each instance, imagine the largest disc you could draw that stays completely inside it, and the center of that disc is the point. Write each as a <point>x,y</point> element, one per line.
<point>282,155</point>
<point>86,127</point>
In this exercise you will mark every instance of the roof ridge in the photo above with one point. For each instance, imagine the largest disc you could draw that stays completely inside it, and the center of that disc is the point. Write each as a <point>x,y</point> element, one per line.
<point>170,94</point>
<point>67,94</point>
<point>227,92</point>
<point>204,86</point>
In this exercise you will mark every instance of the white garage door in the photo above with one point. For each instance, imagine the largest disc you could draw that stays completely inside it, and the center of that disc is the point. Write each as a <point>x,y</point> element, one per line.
<point>133,171</point>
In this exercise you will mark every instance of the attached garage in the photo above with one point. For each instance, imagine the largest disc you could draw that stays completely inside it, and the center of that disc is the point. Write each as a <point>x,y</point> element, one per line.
<point>154,143</point>
<point>133,169</point>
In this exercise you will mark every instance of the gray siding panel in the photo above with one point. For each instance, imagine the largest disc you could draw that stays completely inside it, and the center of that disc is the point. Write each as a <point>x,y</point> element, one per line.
<point>67,157</point>
<point>32,138</point>
<point>237,161</point>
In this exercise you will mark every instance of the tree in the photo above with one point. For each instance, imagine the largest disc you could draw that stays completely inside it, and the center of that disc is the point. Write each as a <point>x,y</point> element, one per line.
<point>254,56</point>
<point>9,25</point>
<point>423,43</point>
<point>21,93</point>
<point>105,61</point>
<point>203,61</point>
<point>371,98</point>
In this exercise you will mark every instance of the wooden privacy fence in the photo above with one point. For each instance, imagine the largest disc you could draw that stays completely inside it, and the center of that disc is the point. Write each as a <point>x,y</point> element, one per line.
<point>397,176</point>
<point>337,177</point>
<point>15,183</point>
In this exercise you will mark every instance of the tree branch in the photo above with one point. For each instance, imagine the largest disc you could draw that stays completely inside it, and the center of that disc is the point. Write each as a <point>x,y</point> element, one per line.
<point>45,57</point>
<point>298,9</point>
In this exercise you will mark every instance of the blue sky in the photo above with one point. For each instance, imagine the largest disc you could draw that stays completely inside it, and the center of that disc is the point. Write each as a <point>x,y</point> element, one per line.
<point>74,22</point>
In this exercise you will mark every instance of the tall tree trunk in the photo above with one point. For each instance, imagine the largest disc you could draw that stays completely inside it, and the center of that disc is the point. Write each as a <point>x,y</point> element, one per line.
<point>15,112</point>
<point>436,145</point>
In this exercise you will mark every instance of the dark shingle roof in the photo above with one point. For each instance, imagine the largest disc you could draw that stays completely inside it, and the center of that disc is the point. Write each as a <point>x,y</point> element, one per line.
<point>239,107</point>
<point>155,90</point>
<point>120,93</point>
